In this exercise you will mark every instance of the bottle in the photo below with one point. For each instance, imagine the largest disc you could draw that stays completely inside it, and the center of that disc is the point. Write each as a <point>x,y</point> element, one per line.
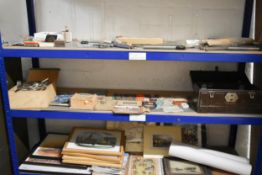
<point>67,35</point>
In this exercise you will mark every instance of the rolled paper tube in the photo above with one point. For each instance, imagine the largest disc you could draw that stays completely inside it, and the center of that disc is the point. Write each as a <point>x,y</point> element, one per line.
<point>225,155</point>
<point>216,160</point>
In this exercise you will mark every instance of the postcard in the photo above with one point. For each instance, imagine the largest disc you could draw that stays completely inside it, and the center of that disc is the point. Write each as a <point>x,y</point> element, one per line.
<point>175,166</point>
<point>95,141</point>
<point>51,146</point>
<point>140,166</point>
<point>157,139</point>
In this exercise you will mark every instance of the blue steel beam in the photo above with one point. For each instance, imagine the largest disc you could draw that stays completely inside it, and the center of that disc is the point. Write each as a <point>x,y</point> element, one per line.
<point>223,119</point>
<point>124,55</point>
<point>258,167</point>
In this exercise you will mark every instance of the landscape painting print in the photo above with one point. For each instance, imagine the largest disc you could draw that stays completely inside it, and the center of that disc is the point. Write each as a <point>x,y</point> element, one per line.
<point>142,166</point>
<point>95,141</point>
<point>162,141</point>
<point>175,166</point>
<point>157,140</point>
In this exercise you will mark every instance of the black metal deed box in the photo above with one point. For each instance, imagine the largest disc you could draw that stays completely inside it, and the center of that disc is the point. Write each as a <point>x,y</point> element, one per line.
<point>225,92</point>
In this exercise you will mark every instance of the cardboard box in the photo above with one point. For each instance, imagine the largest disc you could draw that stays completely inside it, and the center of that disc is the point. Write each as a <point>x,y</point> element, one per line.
<point>35,99</point>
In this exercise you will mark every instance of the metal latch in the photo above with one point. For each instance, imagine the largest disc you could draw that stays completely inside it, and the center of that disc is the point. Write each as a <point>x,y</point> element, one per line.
<point>251,95</point>
<point>231,97</point>
<point>211,94</point>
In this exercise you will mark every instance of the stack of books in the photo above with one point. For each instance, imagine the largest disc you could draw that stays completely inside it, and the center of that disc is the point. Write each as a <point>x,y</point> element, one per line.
<point>47,158</point>
<point>94,147</point>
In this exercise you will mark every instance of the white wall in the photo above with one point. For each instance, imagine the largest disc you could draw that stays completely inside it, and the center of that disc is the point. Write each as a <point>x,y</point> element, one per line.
<point>13,20</point>
<point>105,19</point>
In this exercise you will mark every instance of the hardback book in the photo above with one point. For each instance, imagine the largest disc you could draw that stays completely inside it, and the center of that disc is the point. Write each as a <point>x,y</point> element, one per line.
<point>46,169</point>
<point>83,101</point>
<point>105,103</point>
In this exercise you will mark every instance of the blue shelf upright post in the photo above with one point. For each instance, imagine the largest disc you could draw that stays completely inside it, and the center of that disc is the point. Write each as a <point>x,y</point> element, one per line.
<point>8,118</point>
<point>258,167</point>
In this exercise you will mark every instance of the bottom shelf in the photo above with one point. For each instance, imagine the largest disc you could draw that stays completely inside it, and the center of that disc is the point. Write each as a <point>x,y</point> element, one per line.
<point>52,154</point>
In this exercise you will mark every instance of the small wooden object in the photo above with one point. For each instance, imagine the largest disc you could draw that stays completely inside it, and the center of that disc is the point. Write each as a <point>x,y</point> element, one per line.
<point>140,41</point>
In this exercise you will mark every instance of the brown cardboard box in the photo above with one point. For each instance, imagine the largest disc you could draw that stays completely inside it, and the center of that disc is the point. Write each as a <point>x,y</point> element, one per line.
<point>35,99</point>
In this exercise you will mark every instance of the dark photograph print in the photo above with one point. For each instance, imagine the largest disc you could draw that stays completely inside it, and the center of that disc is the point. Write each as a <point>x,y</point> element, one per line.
<point>162,141</point>
<point>100,140</point>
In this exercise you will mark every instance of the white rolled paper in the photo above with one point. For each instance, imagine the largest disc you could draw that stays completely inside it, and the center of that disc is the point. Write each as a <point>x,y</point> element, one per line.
<point>216,159</point>
<point>225,155</point>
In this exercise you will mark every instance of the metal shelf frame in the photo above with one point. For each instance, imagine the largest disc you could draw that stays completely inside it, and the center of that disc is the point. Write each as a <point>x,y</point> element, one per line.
<point>124,55</point>
<point>120,55</point>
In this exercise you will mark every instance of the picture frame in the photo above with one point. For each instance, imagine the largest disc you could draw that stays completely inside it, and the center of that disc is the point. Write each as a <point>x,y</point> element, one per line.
<point>140,165</point>
<point>95,141</point>
<point>176,166</point>
<point>157,140</point>
<point>51,146</point>
<point>134,132</point>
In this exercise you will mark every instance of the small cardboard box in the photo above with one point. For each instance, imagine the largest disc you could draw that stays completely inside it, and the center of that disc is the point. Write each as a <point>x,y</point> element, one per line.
<point>35,99</point>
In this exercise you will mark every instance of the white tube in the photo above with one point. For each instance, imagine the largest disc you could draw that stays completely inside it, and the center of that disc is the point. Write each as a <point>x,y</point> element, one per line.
<point>225,155</point>
<point>195,154</point>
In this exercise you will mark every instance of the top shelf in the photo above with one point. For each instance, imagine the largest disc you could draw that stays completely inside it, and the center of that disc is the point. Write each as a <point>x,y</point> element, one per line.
<point>194,55</point>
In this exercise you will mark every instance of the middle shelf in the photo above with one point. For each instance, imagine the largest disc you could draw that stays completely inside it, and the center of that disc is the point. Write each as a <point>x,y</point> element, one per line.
<point>183,117</point>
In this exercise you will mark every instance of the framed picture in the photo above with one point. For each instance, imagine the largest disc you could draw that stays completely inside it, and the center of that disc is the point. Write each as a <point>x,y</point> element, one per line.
<point>134,132</point>
<point>192,134</point>
<point>157,140</point>
<point>95,141</point>
<point>51,146</point>
<point>139,166</point>
<point>175,166</point>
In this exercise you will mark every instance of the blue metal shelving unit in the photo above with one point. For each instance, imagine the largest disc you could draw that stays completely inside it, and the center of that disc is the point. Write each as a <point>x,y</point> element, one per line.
<point>121,55</point>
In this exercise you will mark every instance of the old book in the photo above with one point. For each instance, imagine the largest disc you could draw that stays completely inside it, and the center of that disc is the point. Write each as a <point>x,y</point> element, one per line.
<point>105,103</point>
<point>46,169</point>
<point>83,101</point>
